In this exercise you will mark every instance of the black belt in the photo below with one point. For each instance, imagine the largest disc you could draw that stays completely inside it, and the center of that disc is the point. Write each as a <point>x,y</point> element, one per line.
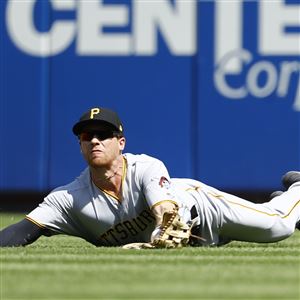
<point>194,213</point>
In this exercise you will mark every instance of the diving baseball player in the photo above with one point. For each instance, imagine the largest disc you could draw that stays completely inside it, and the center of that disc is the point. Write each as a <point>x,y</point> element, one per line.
<point>122,199</point>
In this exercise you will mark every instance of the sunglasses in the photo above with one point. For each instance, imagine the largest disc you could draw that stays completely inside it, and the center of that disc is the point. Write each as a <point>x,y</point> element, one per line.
<point>100,135</point>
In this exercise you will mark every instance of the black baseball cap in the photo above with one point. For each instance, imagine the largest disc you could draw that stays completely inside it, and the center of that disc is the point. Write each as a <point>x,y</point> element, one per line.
<point>98,115</point>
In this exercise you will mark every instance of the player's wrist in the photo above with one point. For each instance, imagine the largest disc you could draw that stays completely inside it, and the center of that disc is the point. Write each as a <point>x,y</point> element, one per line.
<point>161,208</point>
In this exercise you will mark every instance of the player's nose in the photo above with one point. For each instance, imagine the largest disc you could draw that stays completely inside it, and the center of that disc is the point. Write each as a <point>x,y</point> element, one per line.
<point>95,140</point>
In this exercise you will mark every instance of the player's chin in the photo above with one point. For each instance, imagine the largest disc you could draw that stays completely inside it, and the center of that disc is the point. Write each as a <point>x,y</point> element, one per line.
<point>96,162</point>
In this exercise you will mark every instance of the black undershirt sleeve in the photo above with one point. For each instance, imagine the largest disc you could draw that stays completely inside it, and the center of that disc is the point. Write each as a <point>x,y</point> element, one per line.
<point>20,234</point>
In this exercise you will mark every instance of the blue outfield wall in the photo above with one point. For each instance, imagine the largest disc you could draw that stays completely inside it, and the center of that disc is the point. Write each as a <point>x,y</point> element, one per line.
<point>212,88</point>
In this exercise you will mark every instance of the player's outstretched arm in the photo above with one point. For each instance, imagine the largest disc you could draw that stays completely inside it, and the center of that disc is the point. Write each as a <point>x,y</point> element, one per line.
<point>170,232</point>
<point>20,234</point>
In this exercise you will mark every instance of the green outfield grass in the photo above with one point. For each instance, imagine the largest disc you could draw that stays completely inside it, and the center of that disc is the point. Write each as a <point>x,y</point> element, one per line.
<point>69,268</point>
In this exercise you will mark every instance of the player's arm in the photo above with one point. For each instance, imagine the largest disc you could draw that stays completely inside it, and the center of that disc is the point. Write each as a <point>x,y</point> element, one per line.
<point>156,187</point>
<point>162,207</point>
<point>20,234</point>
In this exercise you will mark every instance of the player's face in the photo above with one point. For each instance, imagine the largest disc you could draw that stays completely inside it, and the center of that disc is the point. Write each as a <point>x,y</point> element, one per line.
<point>100,145</point>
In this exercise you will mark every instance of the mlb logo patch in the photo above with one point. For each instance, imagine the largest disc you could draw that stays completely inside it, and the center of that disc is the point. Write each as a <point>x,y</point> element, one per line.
<point>164,182</point>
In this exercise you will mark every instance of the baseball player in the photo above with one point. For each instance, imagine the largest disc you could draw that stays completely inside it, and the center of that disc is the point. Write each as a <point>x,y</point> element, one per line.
<point>120,199</point>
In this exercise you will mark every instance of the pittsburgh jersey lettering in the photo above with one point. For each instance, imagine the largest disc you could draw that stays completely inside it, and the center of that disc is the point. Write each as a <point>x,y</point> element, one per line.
<point>127,228</point>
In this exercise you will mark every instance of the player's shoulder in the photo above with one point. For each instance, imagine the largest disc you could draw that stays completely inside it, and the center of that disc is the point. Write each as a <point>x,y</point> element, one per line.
<point>140,159</point>
<point>80,183</point>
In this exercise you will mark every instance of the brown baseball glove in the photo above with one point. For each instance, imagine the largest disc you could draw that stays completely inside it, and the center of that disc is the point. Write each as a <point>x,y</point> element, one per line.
<point>172,233</point>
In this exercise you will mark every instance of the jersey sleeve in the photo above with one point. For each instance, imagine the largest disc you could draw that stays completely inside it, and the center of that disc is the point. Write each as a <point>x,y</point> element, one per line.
<point>156,184</point>
<point>54,213</point>
<point>20,234</point>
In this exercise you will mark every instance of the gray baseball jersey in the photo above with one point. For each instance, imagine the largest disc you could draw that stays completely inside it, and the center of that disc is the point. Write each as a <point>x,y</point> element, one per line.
<point>82,209</point>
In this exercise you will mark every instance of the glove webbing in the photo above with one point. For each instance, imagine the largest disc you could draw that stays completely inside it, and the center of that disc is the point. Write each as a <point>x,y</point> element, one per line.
<point>174,233</point>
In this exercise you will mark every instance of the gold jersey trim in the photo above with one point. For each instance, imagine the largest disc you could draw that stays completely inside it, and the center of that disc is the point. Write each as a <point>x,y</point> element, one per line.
<point>193,189</point>
<point>35,222</point>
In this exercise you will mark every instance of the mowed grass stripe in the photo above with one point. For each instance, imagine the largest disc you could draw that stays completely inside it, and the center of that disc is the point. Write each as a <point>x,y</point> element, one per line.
<point>137,259</point>
<point>195,283</point>
<point>160,262</point>
<point>110,278</point>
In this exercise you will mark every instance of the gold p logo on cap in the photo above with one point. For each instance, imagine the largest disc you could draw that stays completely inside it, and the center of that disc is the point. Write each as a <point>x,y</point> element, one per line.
<point>94,111</point>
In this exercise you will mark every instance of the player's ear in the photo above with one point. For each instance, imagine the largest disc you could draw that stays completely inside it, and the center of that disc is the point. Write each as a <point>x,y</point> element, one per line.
<point>122,142</point>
